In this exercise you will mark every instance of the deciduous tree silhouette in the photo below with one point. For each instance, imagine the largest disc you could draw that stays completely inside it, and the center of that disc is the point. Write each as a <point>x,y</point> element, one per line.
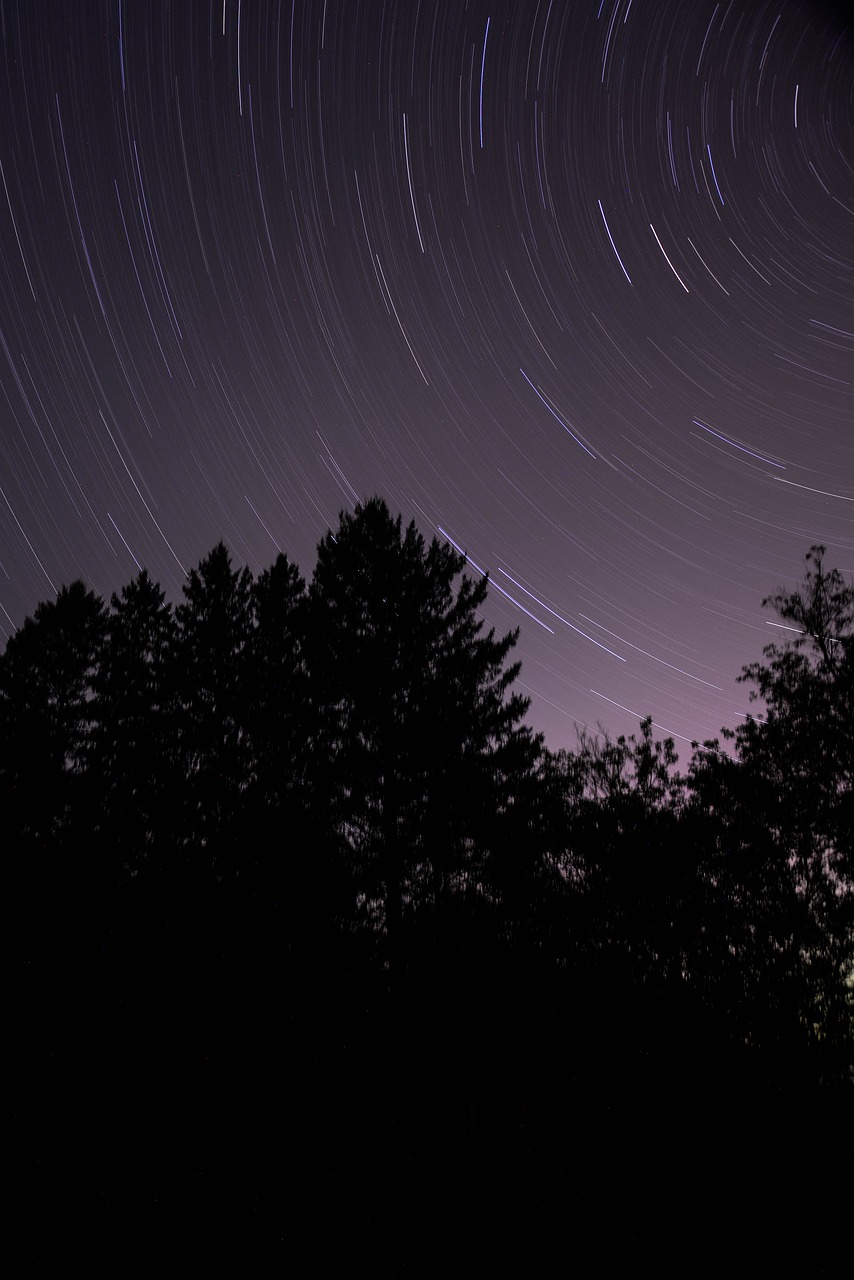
<point>783,815</point>
<point>626,880</point>
<point>803,746</point>
<point>800,759</point>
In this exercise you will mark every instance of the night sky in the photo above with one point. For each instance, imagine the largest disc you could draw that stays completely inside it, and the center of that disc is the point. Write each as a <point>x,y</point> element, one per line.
<point>570,284</point>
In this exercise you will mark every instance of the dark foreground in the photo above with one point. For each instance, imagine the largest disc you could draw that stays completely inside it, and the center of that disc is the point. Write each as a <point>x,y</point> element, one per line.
<point>183,1095</point>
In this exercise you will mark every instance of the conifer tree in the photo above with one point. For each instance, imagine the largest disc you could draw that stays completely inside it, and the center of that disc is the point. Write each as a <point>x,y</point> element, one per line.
<point>277,686</point>
<point>214,626</point>
<point>420,740</point>
<point>283,850</point>
<point>134,759</point>
<point>46,710</point>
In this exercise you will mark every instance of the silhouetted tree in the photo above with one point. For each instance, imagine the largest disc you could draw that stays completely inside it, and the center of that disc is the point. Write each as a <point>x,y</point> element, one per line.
<point>626,880</point>
<point>286,841</point>
<point>782,814</point>
<point>134,762</point>
<point>342,853</point>
<point>800,759</point>
<point>803,747</point>
<point>214,630</point>
<point>747,955</point>
<point>46,714</point>
<point>420,737</point>
<point>278,685</point>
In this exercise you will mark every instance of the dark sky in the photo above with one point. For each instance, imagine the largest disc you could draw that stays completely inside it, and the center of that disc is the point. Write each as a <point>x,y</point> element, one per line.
<point>571,283</point>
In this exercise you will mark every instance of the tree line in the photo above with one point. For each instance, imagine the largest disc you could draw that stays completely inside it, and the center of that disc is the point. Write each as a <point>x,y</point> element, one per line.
<point>317,813</point>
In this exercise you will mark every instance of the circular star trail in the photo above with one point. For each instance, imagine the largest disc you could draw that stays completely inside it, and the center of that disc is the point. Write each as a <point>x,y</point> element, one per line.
<point>571,285</point>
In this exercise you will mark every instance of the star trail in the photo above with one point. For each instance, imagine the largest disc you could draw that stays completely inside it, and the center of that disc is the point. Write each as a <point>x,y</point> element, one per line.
<point>569,284</point>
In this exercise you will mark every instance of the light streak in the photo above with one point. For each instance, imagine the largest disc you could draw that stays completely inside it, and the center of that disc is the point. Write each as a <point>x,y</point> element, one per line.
<point>611,238</point>
<point>559,617</point>
<point>496,585</point>
<point>667,260</point>
<point>482,67</point>
<point>742,447</point>
<point>556,415</point>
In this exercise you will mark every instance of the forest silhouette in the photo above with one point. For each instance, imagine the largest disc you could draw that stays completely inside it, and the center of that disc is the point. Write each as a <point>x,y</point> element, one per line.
<point>297,895</point>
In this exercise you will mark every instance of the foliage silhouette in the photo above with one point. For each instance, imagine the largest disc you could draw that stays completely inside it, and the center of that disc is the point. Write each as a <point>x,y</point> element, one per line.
<point>214,625</point>
<point>46,723</point>
<point>421,749</point>
<point>133,763</point>
<point>281,833</point>
<point>787,802</point>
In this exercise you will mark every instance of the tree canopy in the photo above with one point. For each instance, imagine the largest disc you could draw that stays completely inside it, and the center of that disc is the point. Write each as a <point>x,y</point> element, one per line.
<point>308,830</point>
<point>421,738</point>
